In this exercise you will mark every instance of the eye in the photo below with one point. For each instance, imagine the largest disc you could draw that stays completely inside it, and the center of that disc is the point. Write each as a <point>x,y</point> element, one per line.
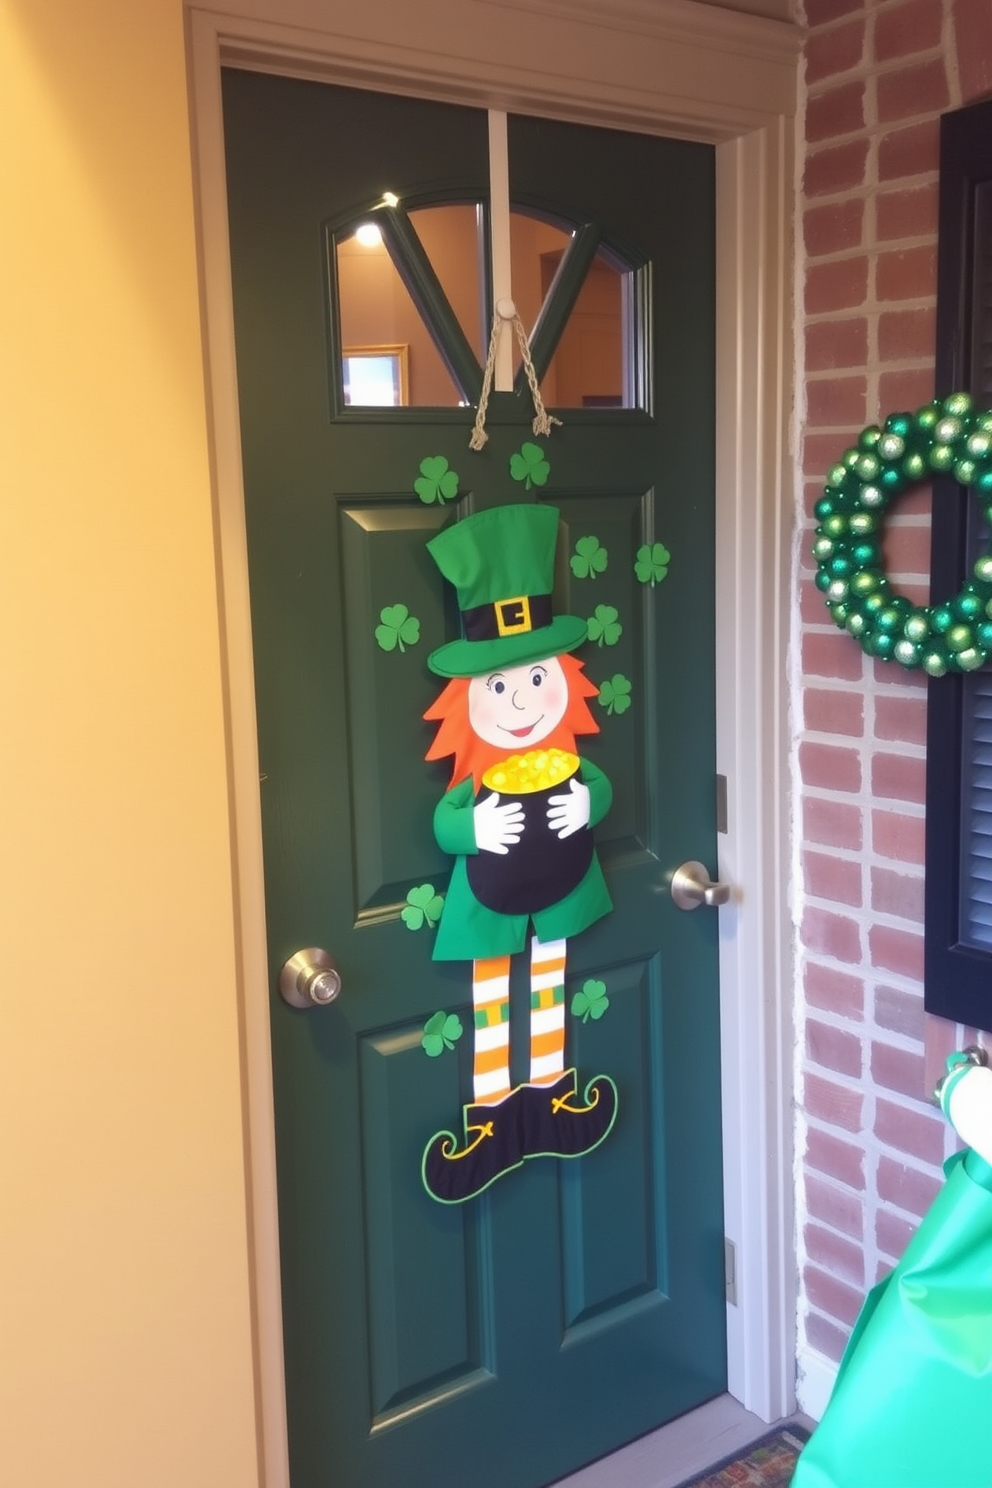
<point>537,676</point>
<point>496,684</point>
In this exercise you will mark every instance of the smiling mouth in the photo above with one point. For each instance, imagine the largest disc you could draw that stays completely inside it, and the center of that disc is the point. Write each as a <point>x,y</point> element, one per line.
<point>521,733</point>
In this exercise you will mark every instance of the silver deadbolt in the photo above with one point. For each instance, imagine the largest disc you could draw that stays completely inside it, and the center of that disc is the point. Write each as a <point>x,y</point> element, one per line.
<point>309,979</point>
<point>692,886</point>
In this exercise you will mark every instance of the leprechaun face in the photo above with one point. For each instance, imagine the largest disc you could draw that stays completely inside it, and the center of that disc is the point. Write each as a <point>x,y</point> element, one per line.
<point>520,705</point>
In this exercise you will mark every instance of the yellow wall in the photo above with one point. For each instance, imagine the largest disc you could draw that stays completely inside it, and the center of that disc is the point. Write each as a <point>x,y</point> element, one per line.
<point>125,1351</point>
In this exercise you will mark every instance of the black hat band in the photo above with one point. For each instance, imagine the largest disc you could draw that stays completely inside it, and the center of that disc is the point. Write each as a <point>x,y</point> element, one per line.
<point>507,617</point>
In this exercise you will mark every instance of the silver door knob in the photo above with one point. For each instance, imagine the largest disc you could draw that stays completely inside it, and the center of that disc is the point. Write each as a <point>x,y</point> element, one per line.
<point>692,886</point>
<point>309,979</point>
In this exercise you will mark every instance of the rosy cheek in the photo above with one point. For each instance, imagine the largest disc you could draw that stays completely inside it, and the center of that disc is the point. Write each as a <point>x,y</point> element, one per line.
<point>554,696</point>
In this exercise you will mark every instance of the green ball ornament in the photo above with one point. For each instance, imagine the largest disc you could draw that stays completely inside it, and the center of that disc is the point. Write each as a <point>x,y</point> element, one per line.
<point>968,605</point>
<point>866,554</point>
<point>947,430</point>
<point>945,435</point>
<point>867,467</point>
<point>865,582</point>
<point>880,644</point>
<point>941,456</point>
<point>917,627</point>
<point>957,405</point>
<point>891,447</point>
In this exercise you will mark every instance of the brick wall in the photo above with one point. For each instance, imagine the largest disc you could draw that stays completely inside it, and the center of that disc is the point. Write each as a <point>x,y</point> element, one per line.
<point>878,74</point>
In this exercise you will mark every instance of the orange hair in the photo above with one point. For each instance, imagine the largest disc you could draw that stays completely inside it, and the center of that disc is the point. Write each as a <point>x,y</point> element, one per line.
<point>473,756</point>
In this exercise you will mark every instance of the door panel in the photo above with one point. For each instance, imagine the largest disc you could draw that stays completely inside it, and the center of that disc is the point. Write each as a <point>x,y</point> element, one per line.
<point>384,559</point>
<point>575,1304</point>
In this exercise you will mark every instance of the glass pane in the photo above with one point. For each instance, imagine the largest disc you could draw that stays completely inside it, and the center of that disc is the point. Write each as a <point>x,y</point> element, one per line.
<point>378,317</point>
<point>533,242</point>
<point>592,365</point>
<point>454,241</point>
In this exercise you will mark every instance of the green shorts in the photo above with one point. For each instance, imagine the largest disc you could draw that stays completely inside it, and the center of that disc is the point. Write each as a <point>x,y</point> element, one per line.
<point>468,931</point>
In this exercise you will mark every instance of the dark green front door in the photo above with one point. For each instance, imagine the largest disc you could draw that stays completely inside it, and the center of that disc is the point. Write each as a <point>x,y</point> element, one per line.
<point>503,1342</point>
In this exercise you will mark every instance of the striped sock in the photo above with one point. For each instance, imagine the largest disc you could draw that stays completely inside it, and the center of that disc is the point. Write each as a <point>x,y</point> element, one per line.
<point>547,1011</point>
<point>491,1006</point>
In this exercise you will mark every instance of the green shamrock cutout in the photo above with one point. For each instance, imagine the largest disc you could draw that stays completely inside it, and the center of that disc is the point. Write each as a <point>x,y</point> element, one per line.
<point>604,626</point>
<point>436,481</point>
<point>442,1031</point>
<point>652,563</point>
<point>423,906</point>
<point>592,1002</point>
<point>398,628</point>
<point>530,466</point>
<point>614,695</point>
<point>589,559</point>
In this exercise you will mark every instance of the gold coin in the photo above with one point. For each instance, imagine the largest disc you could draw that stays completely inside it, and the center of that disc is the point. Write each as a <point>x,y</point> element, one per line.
<point>537,770</point>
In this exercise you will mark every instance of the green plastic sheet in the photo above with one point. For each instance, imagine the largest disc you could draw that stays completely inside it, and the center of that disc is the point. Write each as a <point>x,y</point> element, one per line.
<point>912,1403</point>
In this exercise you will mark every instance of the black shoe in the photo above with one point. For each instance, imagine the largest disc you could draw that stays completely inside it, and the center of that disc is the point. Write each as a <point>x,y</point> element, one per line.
<point>492,1147</point>
<point>558,1122</point>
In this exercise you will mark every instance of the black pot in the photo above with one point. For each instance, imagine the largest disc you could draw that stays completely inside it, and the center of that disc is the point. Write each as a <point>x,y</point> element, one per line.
<point>537,871</point>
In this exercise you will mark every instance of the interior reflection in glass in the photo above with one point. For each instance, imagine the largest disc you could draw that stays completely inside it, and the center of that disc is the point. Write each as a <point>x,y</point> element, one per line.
<point>378,317</point>
<point>453,239</point>
<point>383,332</point>
<point>591,366</point>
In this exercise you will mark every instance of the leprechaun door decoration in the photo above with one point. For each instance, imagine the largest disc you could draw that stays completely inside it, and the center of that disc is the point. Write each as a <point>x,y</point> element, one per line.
<point>518,817</point>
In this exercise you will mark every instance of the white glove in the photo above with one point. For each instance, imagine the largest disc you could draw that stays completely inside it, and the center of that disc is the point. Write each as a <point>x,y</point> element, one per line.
<point>497,827</point>
<point>568,814</point>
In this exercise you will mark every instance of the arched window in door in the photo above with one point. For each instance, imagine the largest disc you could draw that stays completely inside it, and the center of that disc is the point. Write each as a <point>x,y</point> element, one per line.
<point>411,300</point>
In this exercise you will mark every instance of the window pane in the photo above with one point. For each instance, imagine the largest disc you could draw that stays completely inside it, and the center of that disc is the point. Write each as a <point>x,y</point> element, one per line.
<point>592,364</point>
<point>454,241</point>
<point>377,312</point>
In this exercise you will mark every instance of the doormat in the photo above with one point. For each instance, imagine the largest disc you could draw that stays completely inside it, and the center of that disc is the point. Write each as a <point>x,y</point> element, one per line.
<point>766,1463</point>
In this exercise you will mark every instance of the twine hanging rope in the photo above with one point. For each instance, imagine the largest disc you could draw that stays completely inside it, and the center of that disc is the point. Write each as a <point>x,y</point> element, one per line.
<point>506,311</point>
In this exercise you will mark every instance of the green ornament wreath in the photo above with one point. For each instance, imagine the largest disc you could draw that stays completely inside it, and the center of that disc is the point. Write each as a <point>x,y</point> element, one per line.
<point>947,435</point>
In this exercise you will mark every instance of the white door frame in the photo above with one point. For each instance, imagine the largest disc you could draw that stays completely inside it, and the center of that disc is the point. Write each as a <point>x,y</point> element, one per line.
<point>661,66</point>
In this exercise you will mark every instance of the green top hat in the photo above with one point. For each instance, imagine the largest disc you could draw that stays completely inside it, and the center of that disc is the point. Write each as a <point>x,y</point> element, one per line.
<point>502,564</point>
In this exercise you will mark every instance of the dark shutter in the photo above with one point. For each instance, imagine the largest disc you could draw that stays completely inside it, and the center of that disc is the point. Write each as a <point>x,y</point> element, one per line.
<point>958,977</point>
